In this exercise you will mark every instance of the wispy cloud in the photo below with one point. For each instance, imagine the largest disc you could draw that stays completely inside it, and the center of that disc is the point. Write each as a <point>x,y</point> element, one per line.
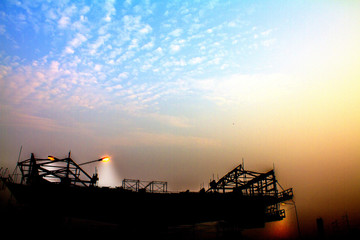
<point>11,118</point>
<point>77,40</point>
<point>180,122</point>
<point>63,22</point>
<point>110,10</point>
<point>174,48</point>
<point>144,138</point>
<point>135,60</point>
<point>176,33</point>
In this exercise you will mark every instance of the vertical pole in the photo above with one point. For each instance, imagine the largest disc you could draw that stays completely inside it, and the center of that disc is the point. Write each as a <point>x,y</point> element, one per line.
<point>236,178</point>
<point>31,173</point>
<point>274,182</point>
<point>14,174</point>
<point>68,172</point>
<point>266,187</point>
<point>19,154</point>
<point>297,219</point>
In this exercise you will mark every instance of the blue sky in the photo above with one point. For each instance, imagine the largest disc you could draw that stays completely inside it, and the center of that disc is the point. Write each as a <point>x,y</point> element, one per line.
<point>128,55</point>
<point>179,90</point>
<point>143,61</point>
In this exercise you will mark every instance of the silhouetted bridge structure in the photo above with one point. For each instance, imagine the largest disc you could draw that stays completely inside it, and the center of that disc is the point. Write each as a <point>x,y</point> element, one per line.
<point>246,198</point>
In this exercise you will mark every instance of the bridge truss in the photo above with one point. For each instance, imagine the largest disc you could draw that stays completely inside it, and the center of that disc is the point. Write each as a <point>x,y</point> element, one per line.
<point>148,186</point>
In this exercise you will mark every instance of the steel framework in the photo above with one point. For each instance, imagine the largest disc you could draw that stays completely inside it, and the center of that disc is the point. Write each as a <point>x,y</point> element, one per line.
<point>255,184</point>
<point>62,171</point>
<point>148,186</point>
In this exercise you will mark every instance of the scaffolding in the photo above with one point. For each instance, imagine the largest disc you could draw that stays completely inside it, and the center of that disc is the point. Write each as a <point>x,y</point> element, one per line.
<point>53,170</point>
<point>147,186</point>
<point>255,184</point>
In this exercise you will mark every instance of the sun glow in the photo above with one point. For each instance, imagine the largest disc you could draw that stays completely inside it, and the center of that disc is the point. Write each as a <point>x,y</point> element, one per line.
<point>280,229</point>
<point>108,175</point>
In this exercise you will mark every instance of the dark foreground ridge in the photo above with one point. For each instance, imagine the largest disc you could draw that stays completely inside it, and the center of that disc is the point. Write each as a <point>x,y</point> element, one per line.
<point>58,195</point>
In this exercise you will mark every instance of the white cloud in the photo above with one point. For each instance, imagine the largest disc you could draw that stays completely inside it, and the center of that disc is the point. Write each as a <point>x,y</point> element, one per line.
<point>123,75</point>
<point>98,43</point>
<point>54,67</point>
<point>70,10</point>
<point>232,24</point>
<point>2,29</point>
<point>131,23</point>
<point>51,14</point>
<point>174,48</point>
<point>112,88</point>
<point>145,30</point>
<point>148,46</point>
<point>77,40</point>
<point>79,25</point>
<point>118,41</point>
<point>268,42</point>
<point>109,7</point>
<point>194,28</point>
<point>69,50</point>
<point>146,67</point>
<point>174,121</point>
<point>63,22</point>
<point>115,52</point>
<point>176,33</point>
<point>267,32</point>
<point>107,18</point>
<point>127,55</point>
<point>134,44</point>
<point>4,70</point>
<point>158,50</point>
<point>196,60</point>
<point>98,67</point>
<point>85,10</point>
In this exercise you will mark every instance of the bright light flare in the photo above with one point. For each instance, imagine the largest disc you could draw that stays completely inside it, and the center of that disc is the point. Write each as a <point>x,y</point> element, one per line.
<point>105,159</point>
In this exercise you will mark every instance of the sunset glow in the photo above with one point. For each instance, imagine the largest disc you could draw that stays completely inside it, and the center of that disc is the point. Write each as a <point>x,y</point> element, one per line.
<point>183,90</point>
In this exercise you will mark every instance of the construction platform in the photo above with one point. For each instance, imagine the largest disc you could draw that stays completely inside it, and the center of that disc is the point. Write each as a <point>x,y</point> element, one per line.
<point>60,187</point>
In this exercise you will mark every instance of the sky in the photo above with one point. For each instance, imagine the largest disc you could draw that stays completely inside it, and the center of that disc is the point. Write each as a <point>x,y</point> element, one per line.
<point>181,91</point>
